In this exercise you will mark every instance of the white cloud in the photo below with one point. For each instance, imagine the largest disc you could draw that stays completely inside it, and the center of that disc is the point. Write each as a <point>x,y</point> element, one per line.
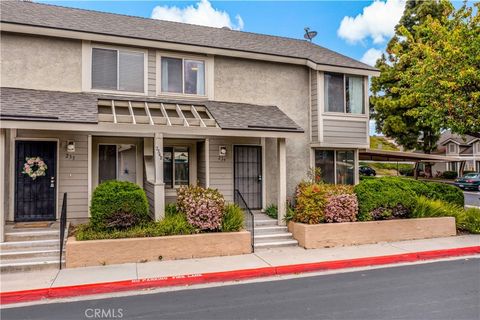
<point>202,13</point>
<point>377,21</point>
<point>371,56</point>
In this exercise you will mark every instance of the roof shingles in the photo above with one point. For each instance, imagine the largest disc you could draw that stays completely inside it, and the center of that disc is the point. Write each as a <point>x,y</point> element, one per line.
<point>42,15</point>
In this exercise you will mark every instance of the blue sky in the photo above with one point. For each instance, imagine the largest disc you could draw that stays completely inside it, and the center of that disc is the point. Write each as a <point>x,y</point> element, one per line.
<point>283,18</point>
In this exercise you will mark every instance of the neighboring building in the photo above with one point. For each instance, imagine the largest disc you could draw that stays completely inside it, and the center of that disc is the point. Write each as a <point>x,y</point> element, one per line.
<point>466,148</point>
<point>103,96</point>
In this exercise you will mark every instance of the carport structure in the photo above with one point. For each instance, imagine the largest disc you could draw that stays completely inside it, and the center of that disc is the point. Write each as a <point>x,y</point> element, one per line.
<point>401,156</point>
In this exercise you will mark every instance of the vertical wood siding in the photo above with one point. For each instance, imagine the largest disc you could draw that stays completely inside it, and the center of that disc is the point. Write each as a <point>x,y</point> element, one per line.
<point>221,171</point>
<point>201,169</point>
<point>152,72</point>
<point>314,98</point>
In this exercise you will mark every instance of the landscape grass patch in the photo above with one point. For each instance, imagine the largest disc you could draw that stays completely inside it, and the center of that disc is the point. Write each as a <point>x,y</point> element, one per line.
<point>232,218</point>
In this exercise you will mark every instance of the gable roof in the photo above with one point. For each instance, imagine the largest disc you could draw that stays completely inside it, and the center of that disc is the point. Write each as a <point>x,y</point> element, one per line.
<point>50,16</point>
<point>448,136</point>
<point>55,106</point>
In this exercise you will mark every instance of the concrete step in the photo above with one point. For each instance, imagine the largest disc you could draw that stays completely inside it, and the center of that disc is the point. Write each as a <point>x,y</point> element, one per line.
<point>272,236</point>
<point>29,235</point>
<point>17,245</point>
<point>265,222</point>
<point>29,264</point>
<point>46,253</point>
<point>276,244</point>
<point>270,229</point>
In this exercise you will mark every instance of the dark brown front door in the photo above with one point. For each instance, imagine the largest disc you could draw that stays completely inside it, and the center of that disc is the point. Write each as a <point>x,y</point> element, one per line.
<point>248,174</point>
<point>35,199</point>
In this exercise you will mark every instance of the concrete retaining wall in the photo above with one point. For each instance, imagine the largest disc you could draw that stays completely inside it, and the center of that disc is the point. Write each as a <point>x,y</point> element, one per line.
<point>102,252</point>
<point>311,236</point>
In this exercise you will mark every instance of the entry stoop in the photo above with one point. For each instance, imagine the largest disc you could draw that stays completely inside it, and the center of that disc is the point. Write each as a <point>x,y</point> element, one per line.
<point>268,234</point>
<point>30,247</point>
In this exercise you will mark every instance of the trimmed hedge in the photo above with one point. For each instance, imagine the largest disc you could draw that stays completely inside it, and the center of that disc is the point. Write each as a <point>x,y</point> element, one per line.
<point>388,192</point>
<point>113,198</point>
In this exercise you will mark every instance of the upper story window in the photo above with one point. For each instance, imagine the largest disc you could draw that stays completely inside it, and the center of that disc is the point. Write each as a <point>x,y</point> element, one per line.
<point>182,76</point>
<point>452,148</point>
<point>344,93</point>
<point>119,70</point>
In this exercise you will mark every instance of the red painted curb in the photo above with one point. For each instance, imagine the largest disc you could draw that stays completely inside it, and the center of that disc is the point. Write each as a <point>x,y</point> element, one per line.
<point>235,275</point>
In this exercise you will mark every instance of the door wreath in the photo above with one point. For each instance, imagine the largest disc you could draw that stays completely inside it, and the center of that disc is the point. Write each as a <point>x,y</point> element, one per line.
<point>34,167</point>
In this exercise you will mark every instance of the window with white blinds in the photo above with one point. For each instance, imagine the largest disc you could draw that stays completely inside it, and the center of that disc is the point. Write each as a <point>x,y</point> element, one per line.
<point>118,70</point>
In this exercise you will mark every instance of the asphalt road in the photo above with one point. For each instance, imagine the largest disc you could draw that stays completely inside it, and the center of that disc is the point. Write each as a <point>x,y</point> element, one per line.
<point>472,198</point>
<point>439,290</point>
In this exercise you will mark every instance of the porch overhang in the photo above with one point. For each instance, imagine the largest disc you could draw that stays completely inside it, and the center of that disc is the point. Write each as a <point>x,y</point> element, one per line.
<point>140,116</point>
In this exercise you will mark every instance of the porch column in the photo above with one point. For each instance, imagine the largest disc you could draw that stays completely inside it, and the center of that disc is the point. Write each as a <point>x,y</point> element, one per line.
<point>282,180</point>
<point>462,168</point>
<point>207,163</point>
<point>2,185</point>
<point>159,187</point>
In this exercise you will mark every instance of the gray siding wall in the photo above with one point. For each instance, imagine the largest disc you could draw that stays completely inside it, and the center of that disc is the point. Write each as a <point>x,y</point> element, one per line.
<point>221,171</point>
<point>152,70</point>
<point>201,164</point>
<point>149,191</point>
<point>72,176</point>
<point>345,132</point>
<point>314,102</point>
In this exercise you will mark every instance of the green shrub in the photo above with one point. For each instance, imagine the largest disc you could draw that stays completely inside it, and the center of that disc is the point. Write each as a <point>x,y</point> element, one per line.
<point>272,211</point>
<point>232,218</point>
<point>171,209</point>
<point>388,192</point>
<point>172,225</point>
<point>406,172</point>
<point>175,224</point>
<point>472,220</point>
<point>427,208</point>
<point>449,175</point>
<point>116,197</point>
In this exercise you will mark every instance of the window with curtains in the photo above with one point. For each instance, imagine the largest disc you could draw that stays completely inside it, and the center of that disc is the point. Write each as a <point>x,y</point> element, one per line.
<point>336,166</point>
<point>344,93</point>
<point>119,70</point>
<point>176,167</point>
<point>182,76</point>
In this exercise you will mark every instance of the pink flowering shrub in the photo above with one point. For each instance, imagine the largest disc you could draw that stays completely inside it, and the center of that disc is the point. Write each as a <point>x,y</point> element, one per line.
<point>341,208</point>
<point>203,207</point>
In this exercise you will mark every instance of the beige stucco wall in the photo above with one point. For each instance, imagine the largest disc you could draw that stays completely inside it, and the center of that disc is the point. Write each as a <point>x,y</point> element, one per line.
<point>312,236</point>
<point>101,252</point>
<point>265,83</point>
<point>40,63</point>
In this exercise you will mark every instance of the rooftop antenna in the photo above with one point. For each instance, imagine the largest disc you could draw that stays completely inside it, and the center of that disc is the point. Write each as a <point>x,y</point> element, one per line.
<point>309,35</point>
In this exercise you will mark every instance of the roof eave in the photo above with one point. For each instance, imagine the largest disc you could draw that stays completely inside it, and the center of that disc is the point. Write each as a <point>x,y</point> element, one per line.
<point>170,45</point>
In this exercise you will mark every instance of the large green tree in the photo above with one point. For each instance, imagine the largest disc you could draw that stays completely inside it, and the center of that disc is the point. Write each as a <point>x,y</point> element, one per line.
<point>395,109</point>
<point>445,77</point>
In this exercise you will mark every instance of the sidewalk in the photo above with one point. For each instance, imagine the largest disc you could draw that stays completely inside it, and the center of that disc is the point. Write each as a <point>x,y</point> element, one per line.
<point>285,259</point>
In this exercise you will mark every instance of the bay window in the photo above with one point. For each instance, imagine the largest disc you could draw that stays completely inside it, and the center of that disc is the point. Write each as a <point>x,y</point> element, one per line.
<point>119,70</point>
<point>344,93</point>
<point>336,166</point>
<point>176,166</point>
<point>183,76</point>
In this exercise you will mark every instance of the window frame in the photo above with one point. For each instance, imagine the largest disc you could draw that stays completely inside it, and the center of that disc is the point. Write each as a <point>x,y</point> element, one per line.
<point>325,111</point>
<point>172,147</point>
<point>208,68</point>
<point>355,162</point>
<point>87,57</point>
<point>116,159</point>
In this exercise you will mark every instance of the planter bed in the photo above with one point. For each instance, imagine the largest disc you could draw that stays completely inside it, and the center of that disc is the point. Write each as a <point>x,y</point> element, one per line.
<point>311,236</point>
<point>114,251</point>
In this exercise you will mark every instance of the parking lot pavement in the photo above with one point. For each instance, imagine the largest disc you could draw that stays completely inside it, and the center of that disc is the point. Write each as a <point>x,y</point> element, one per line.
<point>472,198</point>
